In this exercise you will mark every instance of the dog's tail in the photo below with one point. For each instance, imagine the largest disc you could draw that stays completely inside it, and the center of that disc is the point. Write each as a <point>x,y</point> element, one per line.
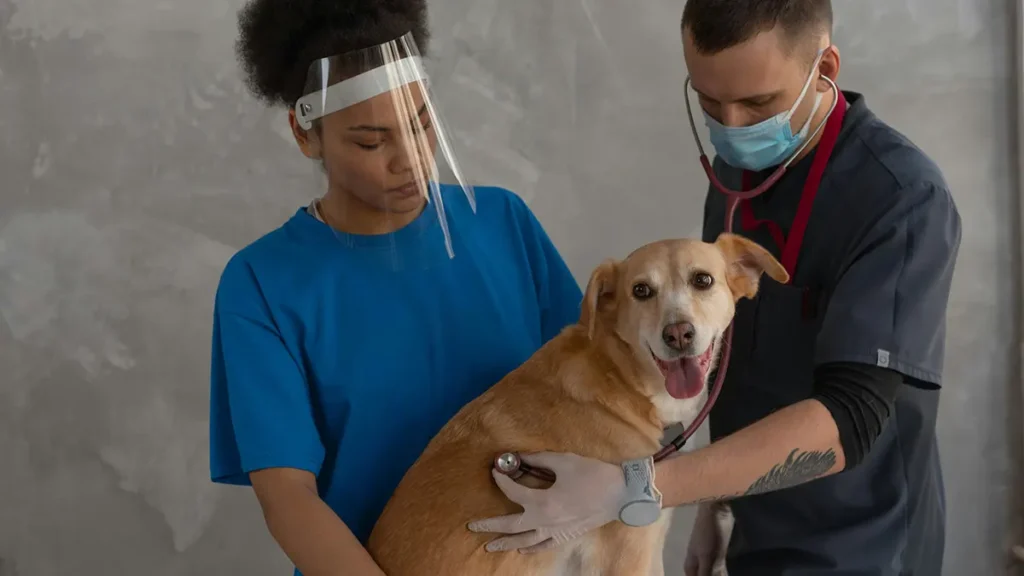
<point>1018,553</point>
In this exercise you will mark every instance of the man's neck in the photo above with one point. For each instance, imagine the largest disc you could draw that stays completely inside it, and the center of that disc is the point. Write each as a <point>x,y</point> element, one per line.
<point>819,117</point>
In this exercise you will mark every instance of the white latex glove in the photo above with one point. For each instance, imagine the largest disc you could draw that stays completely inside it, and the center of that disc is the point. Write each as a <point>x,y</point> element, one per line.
<point>705,543</point>
<point>586,495</point>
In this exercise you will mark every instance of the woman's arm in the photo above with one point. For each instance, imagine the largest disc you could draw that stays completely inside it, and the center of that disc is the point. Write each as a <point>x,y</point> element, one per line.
<point>309,532</point>
<point>263,431</point>
<point>558,293</point>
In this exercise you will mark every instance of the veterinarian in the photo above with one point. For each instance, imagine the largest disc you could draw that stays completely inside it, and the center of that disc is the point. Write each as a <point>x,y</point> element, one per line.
<point>824,435</point>
<point>347,337</point>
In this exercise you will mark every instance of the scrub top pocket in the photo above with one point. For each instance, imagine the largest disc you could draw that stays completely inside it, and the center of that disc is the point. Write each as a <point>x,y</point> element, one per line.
<point>786,325</point>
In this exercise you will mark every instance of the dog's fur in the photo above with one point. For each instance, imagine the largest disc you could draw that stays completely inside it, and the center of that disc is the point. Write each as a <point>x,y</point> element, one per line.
<point>595,390</point>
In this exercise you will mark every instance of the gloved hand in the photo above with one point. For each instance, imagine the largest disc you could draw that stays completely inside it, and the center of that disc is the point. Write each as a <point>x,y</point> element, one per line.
<point>705,544</point>
<point>586,495</point>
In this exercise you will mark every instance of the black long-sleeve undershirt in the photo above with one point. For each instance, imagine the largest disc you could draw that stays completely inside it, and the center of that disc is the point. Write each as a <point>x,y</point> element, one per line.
<point>861,399</point>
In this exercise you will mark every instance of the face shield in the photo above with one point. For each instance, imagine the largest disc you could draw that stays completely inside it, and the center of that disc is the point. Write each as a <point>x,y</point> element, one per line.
<point>393,181</point>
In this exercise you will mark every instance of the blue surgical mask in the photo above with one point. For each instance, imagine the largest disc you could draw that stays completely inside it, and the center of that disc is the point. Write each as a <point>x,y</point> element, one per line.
<point>767,143</point>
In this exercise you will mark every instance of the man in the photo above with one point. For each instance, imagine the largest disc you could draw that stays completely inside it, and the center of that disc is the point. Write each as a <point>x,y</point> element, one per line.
<point>824,434</point>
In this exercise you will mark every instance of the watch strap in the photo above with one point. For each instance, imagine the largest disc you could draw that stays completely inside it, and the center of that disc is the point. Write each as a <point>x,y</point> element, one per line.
<point>641,505</point>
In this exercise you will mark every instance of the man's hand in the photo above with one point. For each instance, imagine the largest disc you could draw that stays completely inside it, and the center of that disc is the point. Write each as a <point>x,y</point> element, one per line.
<point>587,494</point>
<point>705,548</point>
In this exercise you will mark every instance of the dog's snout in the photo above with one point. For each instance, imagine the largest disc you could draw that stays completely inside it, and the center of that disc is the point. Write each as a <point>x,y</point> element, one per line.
<point>679,336</point>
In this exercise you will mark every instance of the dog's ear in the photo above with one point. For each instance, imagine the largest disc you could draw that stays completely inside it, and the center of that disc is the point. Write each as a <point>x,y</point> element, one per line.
<point>746,261</point>
<point>600,289</point>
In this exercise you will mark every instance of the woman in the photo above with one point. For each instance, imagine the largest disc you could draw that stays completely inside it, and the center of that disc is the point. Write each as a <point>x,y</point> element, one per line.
<point>345,339</point>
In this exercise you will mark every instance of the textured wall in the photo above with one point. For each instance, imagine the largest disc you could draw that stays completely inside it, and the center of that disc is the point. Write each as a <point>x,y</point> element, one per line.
<point>133,165</point>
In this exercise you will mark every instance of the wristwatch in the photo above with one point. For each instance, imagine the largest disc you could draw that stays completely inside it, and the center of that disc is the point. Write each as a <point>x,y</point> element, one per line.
<point>642,503</point>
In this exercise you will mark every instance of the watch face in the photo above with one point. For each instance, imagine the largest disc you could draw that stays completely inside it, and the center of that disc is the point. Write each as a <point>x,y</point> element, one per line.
<point>640,513</point>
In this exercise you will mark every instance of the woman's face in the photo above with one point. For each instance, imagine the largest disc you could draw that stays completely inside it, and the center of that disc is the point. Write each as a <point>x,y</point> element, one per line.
<point>379,152</point>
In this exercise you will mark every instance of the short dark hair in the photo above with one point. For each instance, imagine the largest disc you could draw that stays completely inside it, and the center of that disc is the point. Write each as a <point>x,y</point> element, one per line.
<point>279,39</point>
<point>716,25</point>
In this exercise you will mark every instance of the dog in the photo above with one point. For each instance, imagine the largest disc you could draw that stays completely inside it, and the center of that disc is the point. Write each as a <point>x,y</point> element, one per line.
<point>650,332</point>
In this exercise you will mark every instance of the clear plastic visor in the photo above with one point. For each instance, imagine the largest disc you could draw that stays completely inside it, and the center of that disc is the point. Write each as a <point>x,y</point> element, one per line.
<point>393,179</point>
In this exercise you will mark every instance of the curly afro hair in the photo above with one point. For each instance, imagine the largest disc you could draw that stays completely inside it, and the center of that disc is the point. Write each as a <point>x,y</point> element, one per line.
<point>279,39</point>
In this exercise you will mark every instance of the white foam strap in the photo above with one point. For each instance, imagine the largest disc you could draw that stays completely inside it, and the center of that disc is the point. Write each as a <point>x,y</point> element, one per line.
<point>357,89</point>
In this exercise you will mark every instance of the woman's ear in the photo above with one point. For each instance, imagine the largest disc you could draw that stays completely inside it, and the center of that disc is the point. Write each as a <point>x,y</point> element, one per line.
<point>600,289</point>
<point>746,260</point>
<point>307,140</point>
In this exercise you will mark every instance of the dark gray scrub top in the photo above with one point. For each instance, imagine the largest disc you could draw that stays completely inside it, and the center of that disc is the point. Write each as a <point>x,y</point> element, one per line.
<point>871,285</point>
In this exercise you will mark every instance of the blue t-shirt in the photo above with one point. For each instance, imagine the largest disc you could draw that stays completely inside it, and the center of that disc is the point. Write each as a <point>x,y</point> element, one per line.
<point>344,355</point>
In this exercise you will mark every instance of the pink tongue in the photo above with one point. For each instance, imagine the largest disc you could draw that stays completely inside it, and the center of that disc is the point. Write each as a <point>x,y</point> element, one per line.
<point>684,378</point>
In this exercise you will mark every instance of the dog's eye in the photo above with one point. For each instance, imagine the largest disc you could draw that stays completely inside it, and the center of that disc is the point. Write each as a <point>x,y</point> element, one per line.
<point>642,291</point>
<point>702,280</point>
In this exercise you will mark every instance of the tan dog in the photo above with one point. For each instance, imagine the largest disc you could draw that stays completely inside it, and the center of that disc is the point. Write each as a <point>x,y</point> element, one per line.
<point>638,361</point>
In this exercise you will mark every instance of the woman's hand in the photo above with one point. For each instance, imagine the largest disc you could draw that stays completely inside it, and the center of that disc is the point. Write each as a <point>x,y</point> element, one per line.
<point>308,531</point>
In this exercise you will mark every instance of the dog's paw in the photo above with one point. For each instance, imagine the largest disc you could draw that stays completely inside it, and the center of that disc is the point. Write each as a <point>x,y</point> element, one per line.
<point>719,569</point>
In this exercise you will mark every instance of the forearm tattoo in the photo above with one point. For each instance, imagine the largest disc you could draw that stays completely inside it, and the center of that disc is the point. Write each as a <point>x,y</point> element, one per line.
<point>799,467</point>
<point>719,498</point>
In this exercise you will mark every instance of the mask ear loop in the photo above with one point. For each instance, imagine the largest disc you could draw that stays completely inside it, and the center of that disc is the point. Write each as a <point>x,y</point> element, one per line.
<point>807,85</point>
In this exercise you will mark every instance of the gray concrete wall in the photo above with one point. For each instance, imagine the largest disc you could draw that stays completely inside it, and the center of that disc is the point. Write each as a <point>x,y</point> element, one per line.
<point>132,165</point>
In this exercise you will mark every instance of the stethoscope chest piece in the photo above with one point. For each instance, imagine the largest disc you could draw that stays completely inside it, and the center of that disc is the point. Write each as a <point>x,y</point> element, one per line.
<point>507,463</point>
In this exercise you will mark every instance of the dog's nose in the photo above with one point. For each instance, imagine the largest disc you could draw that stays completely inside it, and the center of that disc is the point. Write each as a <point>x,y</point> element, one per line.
<point>679,336</point>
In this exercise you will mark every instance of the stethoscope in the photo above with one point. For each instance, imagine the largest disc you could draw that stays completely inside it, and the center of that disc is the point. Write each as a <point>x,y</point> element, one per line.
<point>737,195</point>
<point>510,463</point>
